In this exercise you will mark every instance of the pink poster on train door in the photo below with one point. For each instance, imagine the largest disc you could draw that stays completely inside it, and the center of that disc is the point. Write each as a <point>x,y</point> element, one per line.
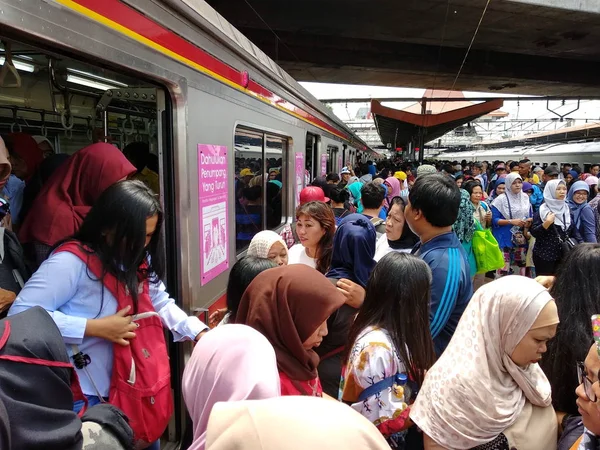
<point>324,164</point>
<point>212,207</point>
<point>340,163</point>
<point>299,175</point>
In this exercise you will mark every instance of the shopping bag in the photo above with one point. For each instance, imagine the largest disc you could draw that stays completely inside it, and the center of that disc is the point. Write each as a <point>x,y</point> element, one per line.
<point>488,255</point>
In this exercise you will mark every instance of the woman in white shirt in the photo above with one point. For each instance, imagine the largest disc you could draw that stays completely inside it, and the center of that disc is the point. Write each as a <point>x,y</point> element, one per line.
<point>315,228</point>
<point>398,236</point>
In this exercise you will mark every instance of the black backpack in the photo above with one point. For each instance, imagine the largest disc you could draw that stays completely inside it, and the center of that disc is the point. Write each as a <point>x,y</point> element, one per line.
<point>13,271</point>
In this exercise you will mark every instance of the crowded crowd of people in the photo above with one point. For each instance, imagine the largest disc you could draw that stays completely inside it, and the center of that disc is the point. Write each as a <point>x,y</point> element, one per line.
<point>435,306</point>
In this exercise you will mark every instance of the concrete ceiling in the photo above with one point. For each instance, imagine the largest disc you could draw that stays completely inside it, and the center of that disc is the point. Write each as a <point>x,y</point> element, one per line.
<point>539,47</point>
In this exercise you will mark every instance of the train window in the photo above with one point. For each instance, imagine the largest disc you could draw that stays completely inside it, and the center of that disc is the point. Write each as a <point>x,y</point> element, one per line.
<point>275,148</point>
<point>332,152</point>
<point>260,183</point>
<point>313,165</point>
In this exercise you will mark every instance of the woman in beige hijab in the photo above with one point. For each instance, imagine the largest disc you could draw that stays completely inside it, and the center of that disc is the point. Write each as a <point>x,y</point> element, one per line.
<point>290,423</point>
<point>487,387</point>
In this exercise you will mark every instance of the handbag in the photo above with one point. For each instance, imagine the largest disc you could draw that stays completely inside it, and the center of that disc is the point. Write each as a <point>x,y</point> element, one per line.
<point>486,250</point>
<point>566,243</point>
<point>517,233</point>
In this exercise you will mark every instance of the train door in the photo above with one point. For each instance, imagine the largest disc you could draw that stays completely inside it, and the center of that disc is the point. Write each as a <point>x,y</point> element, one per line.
<point>66,104</point>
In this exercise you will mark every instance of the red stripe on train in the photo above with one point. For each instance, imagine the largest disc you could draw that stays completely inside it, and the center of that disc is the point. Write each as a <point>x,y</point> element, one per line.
<point>131,19</point>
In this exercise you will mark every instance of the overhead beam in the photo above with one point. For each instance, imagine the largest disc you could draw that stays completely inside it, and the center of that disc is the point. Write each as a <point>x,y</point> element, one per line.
<point>454,99</point>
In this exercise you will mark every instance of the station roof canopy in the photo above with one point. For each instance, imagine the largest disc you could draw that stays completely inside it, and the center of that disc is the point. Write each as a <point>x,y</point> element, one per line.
<point>399,127</point>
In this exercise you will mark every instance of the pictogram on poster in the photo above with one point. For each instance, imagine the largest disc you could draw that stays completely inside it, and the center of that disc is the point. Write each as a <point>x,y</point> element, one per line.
<point>212,204</point>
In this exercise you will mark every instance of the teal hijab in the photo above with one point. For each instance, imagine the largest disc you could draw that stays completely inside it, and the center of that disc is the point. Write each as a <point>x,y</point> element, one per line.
<point>354,189</point>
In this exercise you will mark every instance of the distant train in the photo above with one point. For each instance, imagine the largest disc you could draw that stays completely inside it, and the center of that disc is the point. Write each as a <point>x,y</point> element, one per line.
<point>581,153</point>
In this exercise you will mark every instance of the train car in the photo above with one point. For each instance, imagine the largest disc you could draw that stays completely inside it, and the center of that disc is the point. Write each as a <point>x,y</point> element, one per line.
<point>212,107</point>
<point>582,154</point>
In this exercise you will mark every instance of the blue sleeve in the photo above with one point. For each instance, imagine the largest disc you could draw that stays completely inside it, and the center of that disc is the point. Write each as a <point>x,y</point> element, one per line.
<point>445,268</point>
<point>182,326</point>
<point>51,287</point>
<point>382,213</point>
<point>588,225</point>
<point>496,216</point>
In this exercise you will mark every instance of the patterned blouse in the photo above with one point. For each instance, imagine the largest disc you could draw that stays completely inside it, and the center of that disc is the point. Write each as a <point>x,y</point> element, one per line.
<point>372,359</point>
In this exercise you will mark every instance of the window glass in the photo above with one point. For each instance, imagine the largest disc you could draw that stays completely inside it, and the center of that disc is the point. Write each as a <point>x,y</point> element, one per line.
<point>332,152</point>
<point>274,150</point>
<point>259,183</point>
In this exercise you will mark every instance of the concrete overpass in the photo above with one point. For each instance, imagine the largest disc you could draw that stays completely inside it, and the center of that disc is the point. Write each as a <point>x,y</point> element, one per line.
<point>540,47</point>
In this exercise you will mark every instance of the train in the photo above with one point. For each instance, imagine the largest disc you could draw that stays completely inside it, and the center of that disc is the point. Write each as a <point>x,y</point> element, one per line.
<point>210,104</point>
<point>583,154</point>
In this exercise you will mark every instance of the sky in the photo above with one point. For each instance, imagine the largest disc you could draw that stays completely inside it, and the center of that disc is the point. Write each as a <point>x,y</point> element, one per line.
<point>588,110</point>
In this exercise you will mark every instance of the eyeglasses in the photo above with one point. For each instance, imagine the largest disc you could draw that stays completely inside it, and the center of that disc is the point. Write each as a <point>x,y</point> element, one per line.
<point>587,383</point>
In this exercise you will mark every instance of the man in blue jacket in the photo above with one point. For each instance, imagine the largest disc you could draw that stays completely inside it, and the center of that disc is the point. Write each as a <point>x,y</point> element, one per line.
<point>431,210</point>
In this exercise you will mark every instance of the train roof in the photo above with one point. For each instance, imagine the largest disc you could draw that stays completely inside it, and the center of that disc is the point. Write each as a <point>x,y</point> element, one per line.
<point>204,16</point>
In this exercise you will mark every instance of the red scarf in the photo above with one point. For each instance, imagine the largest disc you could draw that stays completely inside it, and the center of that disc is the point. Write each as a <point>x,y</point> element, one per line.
<point>70,192</point>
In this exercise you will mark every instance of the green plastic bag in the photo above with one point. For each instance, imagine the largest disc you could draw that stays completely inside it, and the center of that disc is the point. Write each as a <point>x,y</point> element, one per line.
<point>488,255</point>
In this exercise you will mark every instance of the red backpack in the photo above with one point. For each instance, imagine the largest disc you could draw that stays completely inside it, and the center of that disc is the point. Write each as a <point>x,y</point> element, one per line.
<point>141,375</point>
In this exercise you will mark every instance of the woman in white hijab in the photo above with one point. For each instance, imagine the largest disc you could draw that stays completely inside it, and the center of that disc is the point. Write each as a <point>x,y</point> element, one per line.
<point>269,245</point>
<point>511,214</point>
<point>230,363</point>
<point>551,226</point>
<point>291,423</point>
<point>487,386</point>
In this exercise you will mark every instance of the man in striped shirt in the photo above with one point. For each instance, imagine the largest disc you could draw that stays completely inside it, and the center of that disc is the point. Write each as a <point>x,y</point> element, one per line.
<point>432,208</point>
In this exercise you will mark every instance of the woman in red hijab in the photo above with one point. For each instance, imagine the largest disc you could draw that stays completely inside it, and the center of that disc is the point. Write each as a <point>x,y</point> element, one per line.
<point>290,305</point>
<point>69,194</point>
<point>29,154</point>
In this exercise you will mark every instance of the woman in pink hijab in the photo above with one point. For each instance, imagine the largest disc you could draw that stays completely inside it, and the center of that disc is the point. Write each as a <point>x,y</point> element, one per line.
<point>230,363</point>
<point>393,189</point>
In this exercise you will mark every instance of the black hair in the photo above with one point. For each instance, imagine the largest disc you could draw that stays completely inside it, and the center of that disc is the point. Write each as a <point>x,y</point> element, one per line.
<point>470,185</point>
<point>115,230</point>
<point>372,195</point>
<point>339,195</point>
<point>525,161</point>
<point>513,164</point>
<point>137,153</point>
<point>567,165</point>
<point>332,176</point>
<point>438,197</point>
<point>594,165</point>
<point>575,291</point>
<point>153,163</point>
<point>252,193</point>
<point>241,275</point>
<point>448,169</point>
<point>400,282</point>
<point>478,165</point>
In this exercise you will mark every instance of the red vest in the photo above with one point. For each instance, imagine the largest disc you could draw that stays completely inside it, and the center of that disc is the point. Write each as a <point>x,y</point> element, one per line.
<point>141,376</point>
